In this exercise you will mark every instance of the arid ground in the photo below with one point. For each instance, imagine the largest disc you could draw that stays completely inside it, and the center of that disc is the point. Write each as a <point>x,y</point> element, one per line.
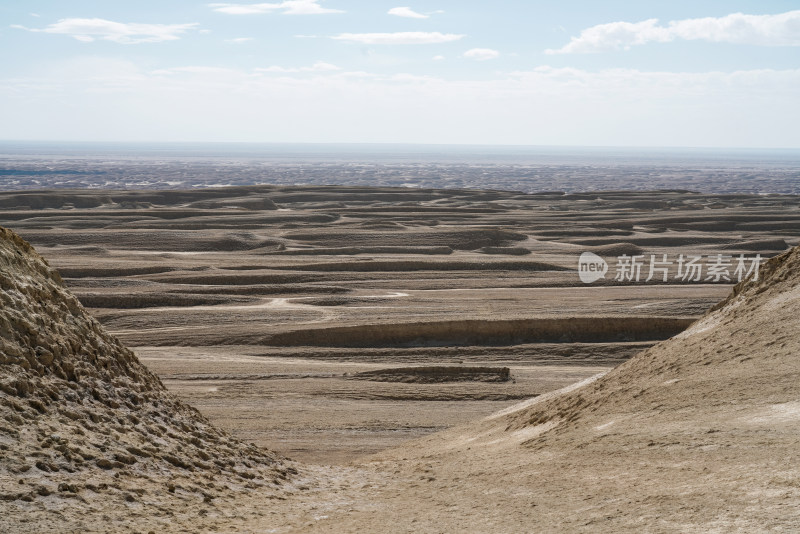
<point>344,327</point>
<point>298,318</point>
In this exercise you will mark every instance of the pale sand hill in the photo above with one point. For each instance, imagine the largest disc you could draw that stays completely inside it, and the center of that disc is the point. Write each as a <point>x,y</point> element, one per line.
<point>700,433</point>
<point>89,438</point>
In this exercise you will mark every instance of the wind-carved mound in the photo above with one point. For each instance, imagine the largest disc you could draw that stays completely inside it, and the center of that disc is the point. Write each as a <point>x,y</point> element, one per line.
<point>83,421</point>
<point>509,251</point>
<point>436,374</point>
<point>470,239</point>
<point>482,332</point>
<point>617,249</point>
<point>758,245</point>
<point>162,240</point>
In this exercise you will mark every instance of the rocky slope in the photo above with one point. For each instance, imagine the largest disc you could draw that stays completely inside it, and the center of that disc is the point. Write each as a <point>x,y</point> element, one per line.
<point>84,427</point>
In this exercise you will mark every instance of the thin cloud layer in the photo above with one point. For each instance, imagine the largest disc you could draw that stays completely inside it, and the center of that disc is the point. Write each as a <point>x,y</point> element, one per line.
<point>759,30</point>
<point>544,106</point>
<point>481,54</point>
<point>406,12</point>
<point>289,7</point>
<point>88,30</point>
<point>399,38</point>
<point>319,66</point>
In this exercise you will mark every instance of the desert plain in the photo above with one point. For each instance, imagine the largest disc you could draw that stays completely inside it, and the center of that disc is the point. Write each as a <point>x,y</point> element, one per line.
<point>261,305</point>
<point>334,324</point>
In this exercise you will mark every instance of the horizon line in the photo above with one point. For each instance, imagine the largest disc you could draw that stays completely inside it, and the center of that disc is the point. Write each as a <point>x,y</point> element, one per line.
<point>395,144</point>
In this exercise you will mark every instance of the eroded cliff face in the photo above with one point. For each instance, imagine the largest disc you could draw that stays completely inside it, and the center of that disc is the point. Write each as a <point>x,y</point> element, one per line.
<point>84,423</point>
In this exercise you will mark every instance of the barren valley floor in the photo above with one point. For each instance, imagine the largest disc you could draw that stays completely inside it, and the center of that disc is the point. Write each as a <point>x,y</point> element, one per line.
<point>261,305</point>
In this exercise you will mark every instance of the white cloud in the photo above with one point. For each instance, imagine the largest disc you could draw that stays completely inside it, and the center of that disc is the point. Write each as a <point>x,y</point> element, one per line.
<point>481,54</point>
<point>288,7</point>
<point>761,30</point>
<point>319,66</point>
<point>399,37</point>
<point>406,12</point>
<point>88,30</point>
<point>239,40</point>
<point>438,58</point>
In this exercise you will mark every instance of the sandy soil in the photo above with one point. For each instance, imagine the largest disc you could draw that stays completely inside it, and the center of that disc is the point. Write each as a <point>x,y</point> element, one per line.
<point>260,317</point>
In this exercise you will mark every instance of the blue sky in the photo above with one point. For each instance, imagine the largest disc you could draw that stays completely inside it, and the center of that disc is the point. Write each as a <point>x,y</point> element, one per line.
<point>594,73</point>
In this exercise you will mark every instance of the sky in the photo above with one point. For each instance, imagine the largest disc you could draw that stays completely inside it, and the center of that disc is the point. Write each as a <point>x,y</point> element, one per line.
<point>573,73</point>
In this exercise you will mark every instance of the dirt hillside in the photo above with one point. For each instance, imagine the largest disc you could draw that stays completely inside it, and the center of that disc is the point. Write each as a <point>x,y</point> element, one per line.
<point>88,436</point>
<point>700,433</point>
